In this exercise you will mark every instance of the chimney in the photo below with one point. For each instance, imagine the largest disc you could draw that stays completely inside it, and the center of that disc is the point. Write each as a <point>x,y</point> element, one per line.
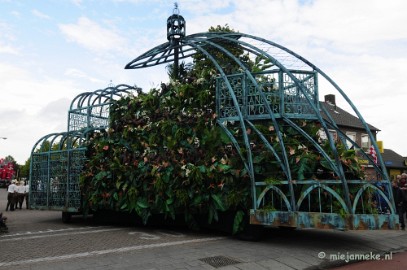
<point>330,99</point>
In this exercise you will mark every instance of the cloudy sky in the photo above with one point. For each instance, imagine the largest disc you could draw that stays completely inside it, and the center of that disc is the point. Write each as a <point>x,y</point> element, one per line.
<point>53,50</point>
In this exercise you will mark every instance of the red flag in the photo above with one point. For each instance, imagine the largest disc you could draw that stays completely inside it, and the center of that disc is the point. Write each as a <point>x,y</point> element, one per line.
<point>372,151</point>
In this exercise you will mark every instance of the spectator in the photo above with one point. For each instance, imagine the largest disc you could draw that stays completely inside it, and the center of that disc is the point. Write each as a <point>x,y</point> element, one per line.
<point>20,194</point>
<point>395,189</point>
<point>402,200</point>
<point>381,202</point>
<point>26,193</point>
<point>11,200</point>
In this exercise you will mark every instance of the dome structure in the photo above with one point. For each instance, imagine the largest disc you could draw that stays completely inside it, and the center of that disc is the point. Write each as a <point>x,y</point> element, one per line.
<point>90,110</point>
<point>57,159</point>
<point>283,94</point>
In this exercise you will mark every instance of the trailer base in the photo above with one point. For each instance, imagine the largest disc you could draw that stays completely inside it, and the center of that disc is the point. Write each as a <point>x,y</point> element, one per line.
<point>324,220</point>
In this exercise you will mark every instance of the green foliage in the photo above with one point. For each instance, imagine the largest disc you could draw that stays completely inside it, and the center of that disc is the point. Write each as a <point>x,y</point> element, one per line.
<point>238,225</point>
<point>164,152</point>
<point>25,169</point>
<point>205,66</point>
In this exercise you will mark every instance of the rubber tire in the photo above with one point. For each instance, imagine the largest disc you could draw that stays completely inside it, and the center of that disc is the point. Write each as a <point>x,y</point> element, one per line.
<point>286,228</point>
<point>66,217</point>
<point>253,233</point>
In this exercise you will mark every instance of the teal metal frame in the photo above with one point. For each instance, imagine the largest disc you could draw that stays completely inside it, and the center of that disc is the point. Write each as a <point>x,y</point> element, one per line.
<point>57,159</point>
<point>55,168</point>
<point>290,93</point>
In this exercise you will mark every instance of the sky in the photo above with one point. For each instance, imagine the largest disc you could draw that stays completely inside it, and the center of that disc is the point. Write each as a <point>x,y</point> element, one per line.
<point>53,50</point>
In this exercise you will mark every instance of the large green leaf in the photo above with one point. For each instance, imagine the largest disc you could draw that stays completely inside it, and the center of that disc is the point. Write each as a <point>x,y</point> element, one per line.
<point>218,202</point>
<point>142,203</point>
<point>238,222</point>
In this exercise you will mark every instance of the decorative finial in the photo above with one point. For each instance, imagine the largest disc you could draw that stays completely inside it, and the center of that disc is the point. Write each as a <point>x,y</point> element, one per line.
<point>175,10</point>
<point>175,26</point>
<point>175,33</point>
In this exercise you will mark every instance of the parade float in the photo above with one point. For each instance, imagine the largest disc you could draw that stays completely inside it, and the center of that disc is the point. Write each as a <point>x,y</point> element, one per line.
<point>236,136</point>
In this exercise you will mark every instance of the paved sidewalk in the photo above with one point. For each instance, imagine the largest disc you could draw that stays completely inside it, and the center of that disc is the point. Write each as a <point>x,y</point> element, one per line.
<point>398,261</point>
<point>285,250</point>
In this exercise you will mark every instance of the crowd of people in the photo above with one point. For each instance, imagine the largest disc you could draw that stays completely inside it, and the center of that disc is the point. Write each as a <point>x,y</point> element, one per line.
<point>399,186</point>
<point>17,193</point>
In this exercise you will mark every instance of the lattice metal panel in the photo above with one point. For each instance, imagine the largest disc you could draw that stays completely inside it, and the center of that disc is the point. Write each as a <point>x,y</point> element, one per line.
<point>57,159</point>
<point>58,166</point>
<point>225,106</point>
<point>55,172</point>
<point>38,180</point>
<point>90,110</point>
<point>77,161</point>
<point>267,93</point>
<point>78,119</point>
<point>268,83</point>
<point>298,103</point>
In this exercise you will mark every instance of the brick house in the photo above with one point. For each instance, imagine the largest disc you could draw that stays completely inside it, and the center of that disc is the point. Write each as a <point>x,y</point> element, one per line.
<point>395,163</point>
<point>353,128</point>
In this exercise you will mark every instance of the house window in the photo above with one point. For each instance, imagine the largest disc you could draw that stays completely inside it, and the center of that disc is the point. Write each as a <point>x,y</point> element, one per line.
<point>352,136</point>
<point>334,134</point>
<point>323,137</point>
<point>365,142</point>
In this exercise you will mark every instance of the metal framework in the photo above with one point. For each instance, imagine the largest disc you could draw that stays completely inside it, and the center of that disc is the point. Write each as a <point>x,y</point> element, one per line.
<point>90,110</point>
<point>281,94</point>
<point>57,159</point>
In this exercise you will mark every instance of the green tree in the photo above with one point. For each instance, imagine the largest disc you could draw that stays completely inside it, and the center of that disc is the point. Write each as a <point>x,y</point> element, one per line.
<point>24,170</point>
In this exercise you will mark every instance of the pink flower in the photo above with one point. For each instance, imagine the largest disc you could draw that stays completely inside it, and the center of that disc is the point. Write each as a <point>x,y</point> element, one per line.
<point>106,147</point>
<point>220,185</point>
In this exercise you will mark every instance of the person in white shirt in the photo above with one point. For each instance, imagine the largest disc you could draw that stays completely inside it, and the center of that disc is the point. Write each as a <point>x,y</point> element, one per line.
<point>12,189</point>
<point>20,194</point>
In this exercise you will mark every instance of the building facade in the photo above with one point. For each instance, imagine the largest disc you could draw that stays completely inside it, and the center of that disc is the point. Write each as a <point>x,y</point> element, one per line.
<point>352,127</point>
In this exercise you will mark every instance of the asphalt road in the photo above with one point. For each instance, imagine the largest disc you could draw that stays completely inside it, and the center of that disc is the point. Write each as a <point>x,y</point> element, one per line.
<point>39,240</point>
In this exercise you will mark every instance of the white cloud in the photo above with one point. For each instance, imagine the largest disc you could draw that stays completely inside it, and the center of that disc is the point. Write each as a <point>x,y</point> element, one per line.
<point>8,49</point>
<point>92,36</point>
<point>39,14</point>
<point>208,7</point>
<point>16,14</point>
<point>6,40</point>
<point>77,2</point>
<point>56,112</point>
<point>79,74</point>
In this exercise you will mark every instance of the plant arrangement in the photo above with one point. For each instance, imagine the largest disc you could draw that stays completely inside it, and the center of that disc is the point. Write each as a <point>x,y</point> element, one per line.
<point>164,152</point>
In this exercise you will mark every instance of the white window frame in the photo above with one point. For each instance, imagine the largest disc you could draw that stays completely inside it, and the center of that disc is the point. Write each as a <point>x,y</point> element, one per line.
<point>323,137</point>
<point>365,148</point>
<point>352,136</point>
<point>333,134</point>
